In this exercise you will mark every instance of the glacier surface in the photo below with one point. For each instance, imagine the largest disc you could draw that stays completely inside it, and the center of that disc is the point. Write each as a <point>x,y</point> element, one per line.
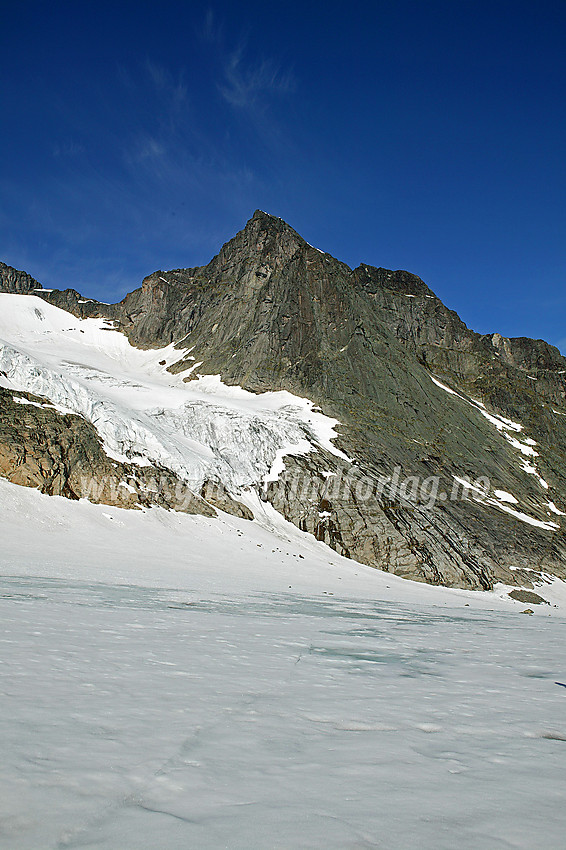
<point>169,681</point>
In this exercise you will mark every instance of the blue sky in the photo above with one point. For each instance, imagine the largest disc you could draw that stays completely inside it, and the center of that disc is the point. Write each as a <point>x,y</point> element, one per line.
<point>428,136</point>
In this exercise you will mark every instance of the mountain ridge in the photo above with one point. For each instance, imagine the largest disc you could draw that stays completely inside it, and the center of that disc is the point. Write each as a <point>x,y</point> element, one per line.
<point>411,385</point>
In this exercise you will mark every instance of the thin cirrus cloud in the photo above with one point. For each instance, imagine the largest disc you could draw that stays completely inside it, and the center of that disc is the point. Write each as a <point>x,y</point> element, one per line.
<point>144,148</point>
<point>166,83</point>
<point>245,83</point>
<point>211,29</point>
<point>182,144</point>
<point>169,153</point>
<point>68,148</point>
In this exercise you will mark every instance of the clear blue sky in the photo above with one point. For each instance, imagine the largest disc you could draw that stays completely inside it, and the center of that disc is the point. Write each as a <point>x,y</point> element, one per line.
<point>428,136</point>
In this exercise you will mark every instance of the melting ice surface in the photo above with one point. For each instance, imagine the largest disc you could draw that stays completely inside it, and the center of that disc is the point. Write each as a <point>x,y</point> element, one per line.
<point>158,718</point>
<point>179,682</point>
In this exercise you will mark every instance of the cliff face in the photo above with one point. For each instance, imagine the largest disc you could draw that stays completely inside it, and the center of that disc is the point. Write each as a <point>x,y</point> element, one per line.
<point>16,282</point>
<point>418,395</point>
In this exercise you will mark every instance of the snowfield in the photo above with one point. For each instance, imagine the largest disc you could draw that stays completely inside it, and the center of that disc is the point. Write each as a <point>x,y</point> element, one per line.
<point>171,681</point>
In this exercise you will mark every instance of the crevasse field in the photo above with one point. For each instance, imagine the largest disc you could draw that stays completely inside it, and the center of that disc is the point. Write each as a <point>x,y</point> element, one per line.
<point>177,682</point>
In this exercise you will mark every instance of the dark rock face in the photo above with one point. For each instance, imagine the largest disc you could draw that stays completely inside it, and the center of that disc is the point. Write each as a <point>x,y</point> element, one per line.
<point>84,308</point>
<point>528,596</point>
<point>271,312</point>
<point>216,494</point>
<point>455,545</point>
<point>16,282</point>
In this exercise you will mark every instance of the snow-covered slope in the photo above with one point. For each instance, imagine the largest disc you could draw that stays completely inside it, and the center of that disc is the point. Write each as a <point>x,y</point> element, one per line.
<point>53,537</point>
<point>171,681</point>
<point>200,429</point>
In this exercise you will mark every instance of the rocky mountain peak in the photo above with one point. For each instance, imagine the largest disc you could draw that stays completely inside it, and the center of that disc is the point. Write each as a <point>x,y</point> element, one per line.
<point>16,282</point>
<point>265,244</point>
<point>414,390</point>
<point>264,221</point>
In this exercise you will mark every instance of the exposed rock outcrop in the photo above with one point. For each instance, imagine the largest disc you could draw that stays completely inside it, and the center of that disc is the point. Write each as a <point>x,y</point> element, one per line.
<point>16,282</point>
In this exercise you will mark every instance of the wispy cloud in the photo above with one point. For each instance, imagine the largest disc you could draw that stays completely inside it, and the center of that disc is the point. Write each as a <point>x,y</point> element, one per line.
<point>252,94</point>
<point>212,29</point>
<point>173,149</point>
<point>160,119</point>
<point>68,148</point>
<point>174,88</point>
<point>245,81</point>
<point>146,147</point>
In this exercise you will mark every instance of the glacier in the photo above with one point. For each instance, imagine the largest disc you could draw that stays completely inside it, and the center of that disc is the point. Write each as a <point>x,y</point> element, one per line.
<point>171,681</point>
<point>201,429</point>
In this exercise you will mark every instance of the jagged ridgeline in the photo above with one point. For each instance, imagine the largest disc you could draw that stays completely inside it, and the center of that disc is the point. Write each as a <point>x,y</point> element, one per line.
<point>449,464</point>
